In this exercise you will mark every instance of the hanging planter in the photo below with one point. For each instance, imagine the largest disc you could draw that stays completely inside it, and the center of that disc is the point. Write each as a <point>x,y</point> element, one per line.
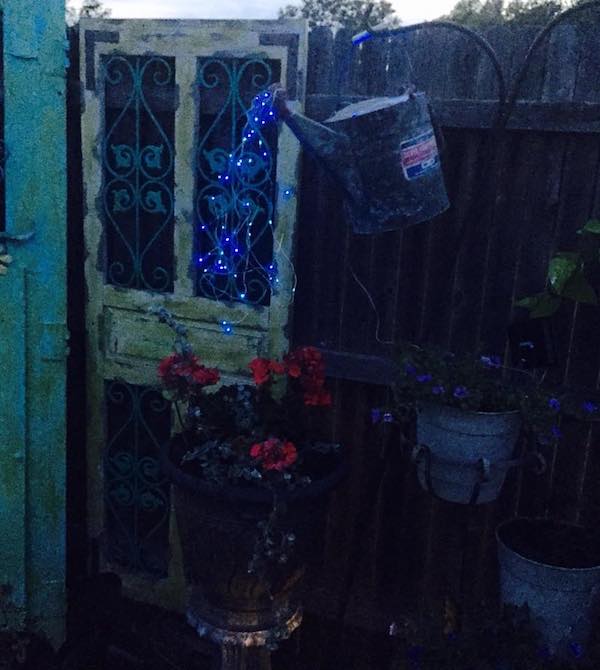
<point>463,456</point>
<point>470,412</point>
<point>219,529</point>
<point>554,567</point>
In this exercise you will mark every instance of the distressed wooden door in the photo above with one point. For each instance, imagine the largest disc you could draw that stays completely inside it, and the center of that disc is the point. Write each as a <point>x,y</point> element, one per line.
<point>33,330</point>
<point>166,112</point>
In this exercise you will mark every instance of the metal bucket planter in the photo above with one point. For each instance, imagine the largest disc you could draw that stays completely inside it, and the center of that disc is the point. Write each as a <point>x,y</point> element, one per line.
<point>554,567</point>
<point>218,531</point>
<point>463,456</point>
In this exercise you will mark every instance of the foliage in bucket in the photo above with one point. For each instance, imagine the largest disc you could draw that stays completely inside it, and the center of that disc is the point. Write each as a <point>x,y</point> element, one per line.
<point>479,383</point>
<point>267,434</point>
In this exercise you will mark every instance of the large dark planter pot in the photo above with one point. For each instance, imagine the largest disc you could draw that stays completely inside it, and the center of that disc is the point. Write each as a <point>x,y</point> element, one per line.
<point>554,567</point>
<point>218,530</point>
<point>463,456</point>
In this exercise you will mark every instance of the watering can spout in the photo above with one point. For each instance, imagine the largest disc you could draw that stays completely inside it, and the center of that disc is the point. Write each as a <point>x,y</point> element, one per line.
<point>383,153</point>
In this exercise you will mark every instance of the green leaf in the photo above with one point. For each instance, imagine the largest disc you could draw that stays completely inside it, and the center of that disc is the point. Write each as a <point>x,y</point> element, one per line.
<point>540,305</point>
<point>561,268</point>
<point>530,301</point>
<point>579,289</point>
<point>592,226</point>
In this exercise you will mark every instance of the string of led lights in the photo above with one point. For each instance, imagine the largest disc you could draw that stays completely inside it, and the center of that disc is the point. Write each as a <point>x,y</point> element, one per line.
<point>236,218</point>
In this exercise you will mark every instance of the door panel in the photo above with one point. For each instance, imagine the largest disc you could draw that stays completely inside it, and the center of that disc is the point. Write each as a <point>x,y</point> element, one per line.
<point>33,332</point>
<point>185,212</point>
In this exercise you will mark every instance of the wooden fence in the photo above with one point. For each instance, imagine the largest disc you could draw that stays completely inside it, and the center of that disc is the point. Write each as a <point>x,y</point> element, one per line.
<point>391,552</point>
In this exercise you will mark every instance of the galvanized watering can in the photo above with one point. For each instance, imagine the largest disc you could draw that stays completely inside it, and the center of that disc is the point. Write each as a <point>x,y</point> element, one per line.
<point>383,152</point>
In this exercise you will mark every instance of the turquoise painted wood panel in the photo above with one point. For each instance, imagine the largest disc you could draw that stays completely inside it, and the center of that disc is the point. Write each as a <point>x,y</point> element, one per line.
<point>12,443</point>
<point>33,318</point>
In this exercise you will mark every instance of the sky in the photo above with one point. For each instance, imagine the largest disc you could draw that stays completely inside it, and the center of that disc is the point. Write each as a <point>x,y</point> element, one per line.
<point>408,10</point>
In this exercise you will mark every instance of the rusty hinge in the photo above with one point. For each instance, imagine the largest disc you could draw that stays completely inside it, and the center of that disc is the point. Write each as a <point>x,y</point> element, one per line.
<point>5,261</point>
<point>54,345</point>
<point>5,258</point>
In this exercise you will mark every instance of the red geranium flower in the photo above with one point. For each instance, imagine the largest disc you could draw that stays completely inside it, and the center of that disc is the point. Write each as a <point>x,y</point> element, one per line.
<point>165,367</point>
<point>260,371</point>
<point>307,365</point>
<point>274,454</point>
<point>204,376</point>
<point>294,370</point>
<point>264,368</point>
<point>177,370</point>
<point>317,398</point>
<point>276,367</point>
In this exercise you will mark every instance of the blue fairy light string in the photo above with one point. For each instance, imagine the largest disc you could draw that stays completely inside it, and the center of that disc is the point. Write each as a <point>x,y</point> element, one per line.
<point>230,269</point>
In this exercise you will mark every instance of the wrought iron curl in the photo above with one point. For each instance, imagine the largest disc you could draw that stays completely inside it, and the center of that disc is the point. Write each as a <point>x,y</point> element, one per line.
<point>234,204</point>
<point>136,172</point>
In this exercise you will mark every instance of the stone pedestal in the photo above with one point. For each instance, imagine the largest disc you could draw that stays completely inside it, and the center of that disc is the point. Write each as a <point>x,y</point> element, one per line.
<point>245,650</point>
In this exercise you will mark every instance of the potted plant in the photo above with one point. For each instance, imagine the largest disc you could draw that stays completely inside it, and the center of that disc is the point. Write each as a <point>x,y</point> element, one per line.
<point>470,412</point>
<point>251,472</point>
<point>552,565</point>
<point>572,276</point>
<point>554,568</point>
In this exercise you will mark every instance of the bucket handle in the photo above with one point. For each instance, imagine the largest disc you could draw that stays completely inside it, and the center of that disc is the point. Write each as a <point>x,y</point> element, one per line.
<point>422,453</point>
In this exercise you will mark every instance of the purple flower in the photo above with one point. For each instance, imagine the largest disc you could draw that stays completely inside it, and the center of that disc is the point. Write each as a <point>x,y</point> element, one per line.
<point>554,404</point>
<point>388,417</point>
<point>438,390</point>
<point>410,369</point>
<point>375,415</point>
<point>460,392</point>
<point>589,407</point>
<point>555,430</point>
<point>576,649</point>
<point>423,379</point>
<point>491,361</point>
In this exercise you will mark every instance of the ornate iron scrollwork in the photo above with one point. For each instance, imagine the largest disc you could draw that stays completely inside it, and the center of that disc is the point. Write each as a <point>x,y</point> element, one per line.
<point>136,491</point>
<point>138,166</point>
<point>236,159</point>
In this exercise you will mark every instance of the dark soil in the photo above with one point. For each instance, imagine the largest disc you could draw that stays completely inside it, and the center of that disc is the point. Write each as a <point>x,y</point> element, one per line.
<point>552,542</point>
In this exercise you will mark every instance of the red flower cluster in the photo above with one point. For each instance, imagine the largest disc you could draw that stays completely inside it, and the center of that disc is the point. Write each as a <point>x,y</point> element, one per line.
<point>274,454</point>
<point>307,365</point>
<point>263,370</point>
<point>177,370</point>
<point>304,364</point>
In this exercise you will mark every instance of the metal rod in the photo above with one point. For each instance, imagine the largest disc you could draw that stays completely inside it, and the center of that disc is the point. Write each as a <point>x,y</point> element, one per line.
<point>449,25</point>
<point>518,80</point>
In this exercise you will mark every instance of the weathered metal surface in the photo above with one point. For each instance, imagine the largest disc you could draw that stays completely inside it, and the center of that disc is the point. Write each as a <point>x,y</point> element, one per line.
<point>32,395</point>
<point>464,454</point>
<point>383,152</point>
<point>172,125</point>
<point>561,600</point>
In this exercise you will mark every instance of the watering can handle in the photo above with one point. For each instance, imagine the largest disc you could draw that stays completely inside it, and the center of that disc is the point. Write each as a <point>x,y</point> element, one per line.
<point>280,100</point>
<point>310,133</point>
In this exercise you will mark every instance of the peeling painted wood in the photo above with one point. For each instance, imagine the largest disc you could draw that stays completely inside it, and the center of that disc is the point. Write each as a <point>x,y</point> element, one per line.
<point>117,317</point>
